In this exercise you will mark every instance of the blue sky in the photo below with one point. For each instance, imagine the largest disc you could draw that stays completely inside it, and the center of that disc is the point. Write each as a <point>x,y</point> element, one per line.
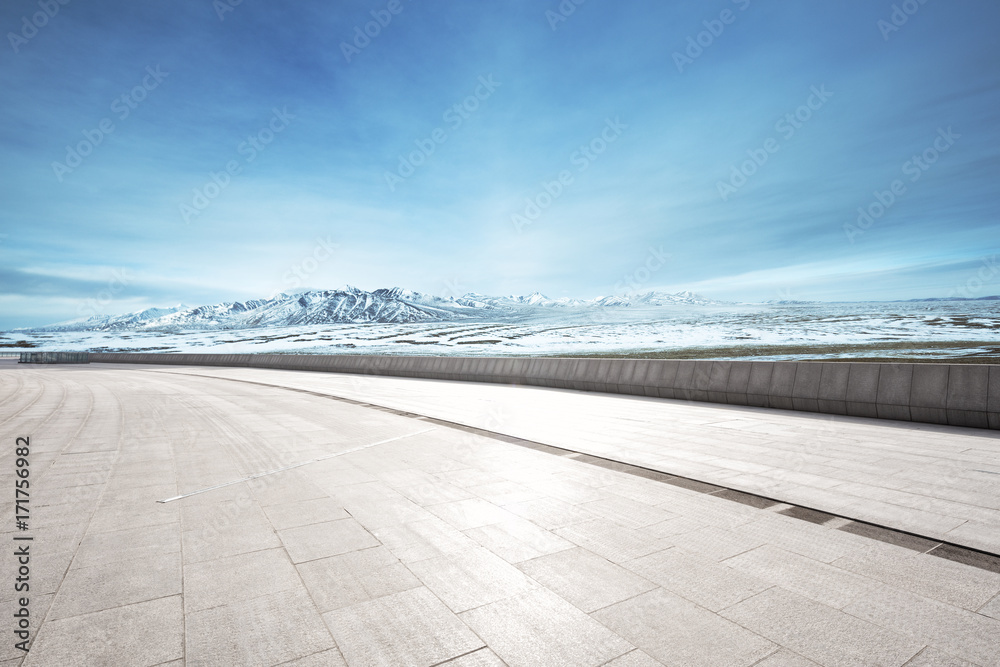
<point>646,143</point>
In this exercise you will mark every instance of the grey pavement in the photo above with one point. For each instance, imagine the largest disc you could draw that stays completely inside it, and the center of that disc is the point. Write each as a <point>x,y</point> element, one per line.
<point>941,482</point>
<point>443,545</point>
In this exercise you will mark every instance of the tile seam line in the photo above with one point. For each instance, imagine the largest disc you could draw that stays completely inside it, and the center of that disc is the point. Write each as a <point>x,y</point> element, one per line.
<point>503,437</point>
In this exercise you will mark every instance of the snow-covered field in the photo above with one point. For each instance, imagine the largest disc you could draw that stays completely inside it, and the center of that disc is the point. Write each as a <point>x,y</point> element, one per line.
<point>942,329</point>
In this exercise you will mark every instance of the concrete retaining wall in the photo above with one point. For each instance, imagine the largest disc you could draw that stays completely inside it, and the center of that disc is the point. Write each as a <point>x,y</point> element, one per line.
<point>55,358</point>
<point>961,395</point>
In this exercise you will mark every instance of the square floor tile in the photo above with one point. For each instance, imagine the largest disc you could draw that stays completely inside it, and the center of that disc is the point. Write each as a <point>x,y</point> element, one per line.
<point>330,538</point>
<point>585,579</point>
<point>408,628</point>
<point>540,628</point>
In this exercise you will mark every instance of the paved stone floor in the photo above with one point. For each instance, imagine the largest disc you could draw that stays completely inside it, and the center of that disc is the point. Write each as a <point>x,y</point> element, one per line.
<point>394,539</point>
<point>941,482</point>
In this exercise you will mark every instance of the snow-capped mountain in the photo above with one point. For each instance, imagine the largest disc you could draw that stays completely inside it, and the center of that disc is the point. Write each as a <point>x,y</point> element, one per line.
<point>114,322</point>
<point>353,305</point>
<point>348,305</point>
<point>514,302</point>
<point>654,299</point>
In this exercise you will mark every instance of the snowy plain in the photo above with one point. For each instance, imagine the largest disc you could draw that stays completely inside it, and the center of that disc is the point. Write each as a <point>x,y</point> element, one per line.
<point>966,330</point>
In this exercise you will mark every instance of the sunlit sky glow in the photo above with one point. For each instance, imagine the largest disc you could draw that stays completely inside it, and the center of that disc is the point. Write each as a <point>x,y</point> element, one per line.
<point>663,134</point>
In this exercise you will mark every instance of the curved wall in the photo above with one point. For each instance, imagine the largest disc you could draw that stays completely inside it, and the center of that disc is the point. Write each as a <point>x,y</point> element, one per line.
<point>956,394</point>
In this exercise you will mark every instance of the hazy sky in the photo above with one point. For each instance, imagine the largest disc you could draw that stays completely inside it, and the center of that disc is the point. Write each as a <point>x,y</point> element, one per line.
<point>191,151</point>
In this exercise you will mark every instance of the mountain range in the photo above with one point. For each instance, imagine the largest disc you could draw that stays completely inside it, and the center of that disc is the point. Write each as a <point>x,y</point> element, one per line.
<point>353,305</point>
